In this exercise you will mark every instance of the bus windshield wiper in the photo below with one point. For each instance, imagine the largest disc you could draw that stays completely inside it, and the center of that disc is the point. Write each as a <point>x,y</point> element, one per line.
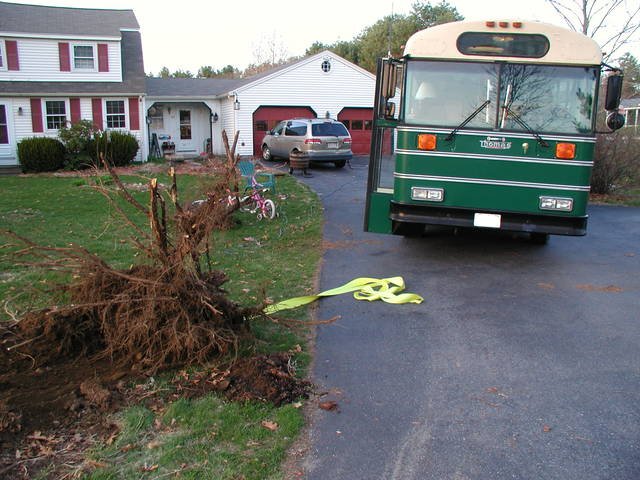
<point>524,125</point>
<point>467,120</point>
<point>506,110</point>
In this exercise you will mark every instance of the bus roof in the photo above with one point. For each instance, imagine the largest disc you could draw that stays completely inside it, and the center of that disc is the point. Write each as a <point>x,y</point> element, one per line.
<point>565,46</point>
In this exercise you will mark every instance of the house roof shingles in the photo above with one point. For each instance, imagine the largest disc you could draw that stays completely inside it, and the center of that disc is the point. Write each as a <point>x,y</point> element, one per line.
<point>191,87</point>
<point>36,19</point>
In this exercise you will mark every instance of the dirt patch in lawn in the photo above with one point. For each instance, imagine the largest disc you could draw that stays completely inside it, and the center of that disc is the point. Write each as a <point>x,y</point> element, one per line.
<point>50,415</point>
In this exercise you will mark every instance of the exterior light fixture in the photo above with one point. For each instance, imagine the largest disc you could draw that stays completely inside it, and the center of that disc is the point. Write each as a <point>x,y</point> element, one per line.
<point>214,117</point>
<point>236,104</point>
<point>427,194</point>
<point>556,203</point>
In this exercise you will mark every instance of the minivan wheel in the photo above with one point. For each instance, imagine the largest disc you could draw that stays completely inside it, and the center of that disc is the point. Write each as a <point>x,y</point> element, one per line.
<point>340,163</point>
<point>266,153</point>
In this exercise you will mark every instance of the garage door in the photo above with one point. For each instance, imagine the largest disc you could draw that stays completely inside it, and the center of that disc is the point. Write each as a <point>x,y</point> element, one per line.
<point>359,122</point>
<point>265,118</point>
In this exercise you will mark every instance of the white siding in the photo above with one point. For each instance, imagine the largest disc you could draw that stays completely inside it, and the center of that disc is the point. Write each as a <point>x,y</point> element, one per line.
<point>22,127</point>
<point>217,146</point>
<point>39,61</point>
<point>227,119</point>
<point>305,84</point>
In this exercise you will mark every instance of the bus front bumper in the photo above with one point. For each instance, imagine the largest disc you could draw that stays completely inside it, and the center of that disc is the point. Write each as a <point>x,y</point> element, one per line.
<point>515,222</point>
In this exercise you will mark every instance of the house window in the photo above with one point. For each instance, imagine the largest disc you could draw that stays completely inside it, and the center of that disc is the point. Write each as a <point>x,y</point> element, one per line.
<point>56,114</point>
<point>83,58</point>
<point>4,127</point>
<point>326,66</point>
<point>185,124</point>
<point>116,117</point>
<point>156,116</point>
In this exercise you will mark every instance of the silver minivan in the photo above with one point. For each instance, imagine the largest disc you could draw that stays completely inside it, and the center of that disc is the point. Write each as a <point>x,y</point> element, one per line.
<point>322,140</point>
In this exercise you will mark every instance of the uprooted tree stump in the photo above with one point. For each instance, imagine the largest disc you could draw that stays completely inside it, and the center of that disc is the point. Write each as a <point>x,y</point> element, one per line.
<point>169,310</point>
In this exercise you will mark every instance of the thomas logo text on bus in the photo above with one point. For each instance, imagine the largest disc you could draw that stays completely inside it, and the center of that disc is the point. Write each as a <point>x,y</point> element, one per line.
<point>495,143</point>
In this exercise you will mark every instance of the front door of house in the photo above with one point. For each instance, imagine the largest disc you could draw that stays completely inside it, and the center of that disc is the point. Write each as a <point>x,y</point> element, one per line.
<point>185,143</point>
<point>7,143</point>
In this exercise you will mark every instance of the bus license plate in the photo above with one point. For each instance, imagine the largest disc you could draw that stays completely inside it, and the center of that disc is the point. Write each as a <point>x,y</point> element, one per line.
<point>332,145</point>
<point>487,220</point>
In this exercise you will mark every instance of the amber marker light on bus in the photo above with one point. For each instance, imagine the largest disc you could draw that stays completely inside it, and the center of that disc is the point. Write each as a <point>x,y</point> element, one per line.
<point>566,151</point>
<point>426,141</point>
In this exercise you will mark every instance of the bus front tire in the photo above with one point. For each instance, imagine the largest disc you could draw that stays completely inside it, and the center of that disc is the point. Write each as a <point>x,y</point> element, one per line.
<point>539,238</point>
<point>408,229</point>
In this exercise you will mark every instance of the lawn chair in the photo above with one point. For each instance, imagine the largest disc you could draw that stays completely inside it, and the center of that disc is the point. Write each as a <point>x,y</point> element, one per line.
<point>248,171</point>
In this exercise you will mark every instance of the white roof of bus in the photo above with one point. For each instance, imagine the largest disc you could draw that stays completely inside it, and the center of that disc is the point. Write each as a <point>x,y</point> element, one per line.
<point>565,46</point>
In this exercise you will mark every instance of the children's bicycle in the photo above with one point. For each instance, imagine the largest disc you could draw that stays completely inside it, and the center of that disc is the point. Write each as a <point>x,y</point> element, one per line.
<point>256,203</point>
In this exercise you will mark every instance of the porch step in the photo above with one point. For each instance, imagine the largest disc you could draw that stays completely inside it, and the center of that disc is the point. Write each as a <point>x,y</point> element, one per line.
<point>10,170</point>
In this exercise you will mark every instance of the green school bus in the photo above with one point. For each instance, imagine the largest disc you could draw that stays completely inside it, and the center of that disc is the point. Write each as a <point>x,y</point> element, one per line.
<point>488,125</point>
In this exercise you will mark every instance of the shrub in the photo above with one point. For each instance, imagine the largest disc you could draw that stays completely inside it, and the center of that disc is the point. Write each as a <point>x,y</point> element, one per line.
<point>616,162</point>
<point>119,148</point>
<point>124,148</point>
<point>77,137</point>
<point>41,154</point>
<point>78,161</point>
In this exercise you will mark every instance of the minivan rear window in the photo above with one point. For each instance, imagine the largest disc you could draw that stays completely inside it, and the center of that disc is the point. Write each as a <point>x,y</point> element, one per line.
<point>328,130</point>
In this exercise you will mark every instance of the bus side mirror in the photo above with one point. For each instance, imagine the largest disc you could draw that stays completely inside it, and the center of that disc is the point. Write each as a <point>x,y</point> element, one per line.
<point>389,79</point>
<point>615,121</point>
<point>614,92</point>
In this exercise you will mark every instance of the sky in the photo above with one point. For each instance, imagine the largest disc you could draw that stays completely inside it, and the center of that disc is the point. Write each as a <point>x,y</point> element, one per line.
<point>188,34</point>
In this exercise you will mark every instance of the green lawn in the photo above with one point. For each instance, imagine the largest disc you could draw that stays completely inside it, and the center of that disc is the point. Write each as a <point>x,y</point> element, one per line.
<point>200,438</point>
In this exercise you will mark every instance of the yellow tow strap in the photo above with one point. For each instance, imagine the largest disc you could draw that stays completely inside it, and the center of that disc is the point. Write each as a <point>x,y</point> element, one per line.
<point>385,289</point>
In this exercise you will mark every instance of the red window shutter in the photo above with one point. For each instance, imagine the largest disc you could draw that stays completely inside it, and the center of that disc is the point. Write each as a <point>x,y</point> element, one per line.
<point>75,110</point>
<point>134,114</point>
<point>12,55</point>
<point>65,59</point>
<point>36,116</point>
<point>103,57</point>
<point>96,108</point>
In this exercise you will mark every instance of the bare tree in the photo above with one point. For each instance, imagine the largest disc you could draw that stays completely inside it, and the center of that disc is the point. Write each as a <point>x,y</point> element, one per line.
<point>270,49</point>
<point>613,23</point>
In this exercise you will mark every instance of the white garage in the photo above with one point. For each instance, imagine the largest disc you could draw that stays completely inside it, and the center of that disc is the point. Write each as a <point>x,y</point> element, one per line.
<point>195,111</point>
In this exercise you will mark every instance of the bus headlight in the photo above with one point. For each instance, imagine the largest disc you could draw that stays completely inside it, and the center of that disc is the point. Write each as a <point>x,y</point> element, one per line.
<point>556,203</point>
<point>428,194</point>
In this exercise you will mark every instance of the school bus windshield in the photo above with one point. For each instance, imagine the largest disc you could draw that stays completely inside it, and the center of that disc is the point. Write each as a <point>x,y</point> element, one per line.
<point>549,99</point>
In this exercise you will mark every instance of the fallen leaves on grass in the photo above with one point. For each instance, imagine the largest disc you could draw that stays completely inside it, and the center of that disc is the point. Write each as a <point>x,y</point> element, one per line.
<point>269,425</point>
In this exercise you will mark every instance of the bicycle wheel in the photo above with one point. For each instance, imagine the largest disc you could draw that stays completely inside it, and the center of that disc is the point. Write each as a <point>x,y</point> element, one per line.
<point>269,209</point>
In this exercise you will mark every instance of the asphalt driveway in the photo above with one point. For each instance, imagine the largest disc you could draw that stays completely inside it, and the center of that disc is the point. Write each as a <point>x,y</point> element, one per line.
<point>522,363</point>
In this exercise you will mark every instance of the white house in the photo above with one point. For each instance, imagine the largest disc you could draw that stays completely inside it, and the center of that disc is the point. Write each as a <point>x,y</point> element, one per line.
<point>61,65</point>
<point>192,111</point>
